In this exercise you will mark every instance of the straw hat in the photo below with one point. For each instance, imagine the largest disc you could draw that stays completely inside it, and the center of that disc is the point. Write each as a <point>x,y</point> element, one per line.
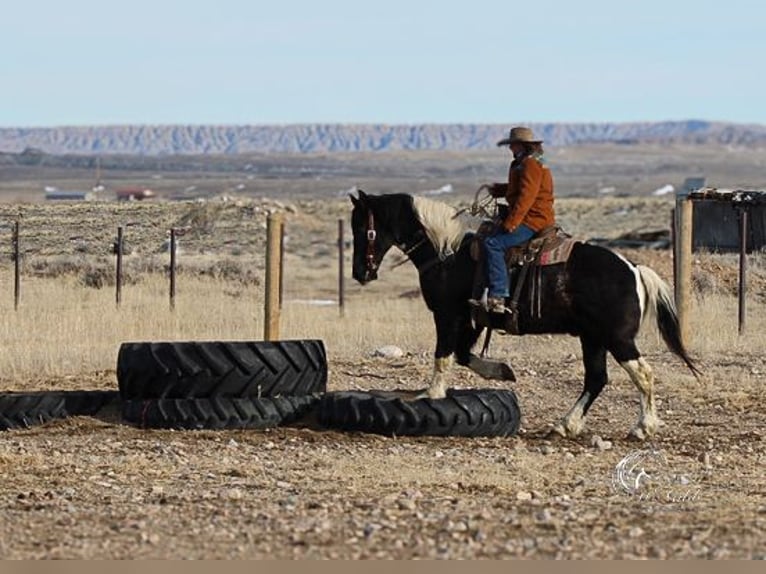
<point>519,135</point>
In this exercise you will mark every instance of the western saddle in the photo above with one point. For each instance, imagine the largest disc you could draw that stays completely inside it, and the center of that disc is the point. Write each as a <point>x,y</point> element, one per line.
<point>547,247</point>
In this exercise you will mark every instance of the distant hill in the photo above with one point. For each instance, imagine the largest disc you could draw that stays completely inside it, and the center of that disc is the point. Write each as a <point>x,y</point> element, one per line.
<point>155,140</point>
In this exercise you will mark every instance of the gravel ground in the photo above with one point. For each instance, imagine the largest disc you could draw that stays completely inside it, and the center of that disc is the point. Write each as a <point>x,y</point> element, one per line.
<point>93,487</point>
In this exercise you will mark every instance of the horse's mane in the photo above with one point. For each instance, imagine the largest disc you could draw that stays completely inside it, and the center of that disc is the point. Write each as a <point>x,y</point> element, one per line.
<point>442,227</point>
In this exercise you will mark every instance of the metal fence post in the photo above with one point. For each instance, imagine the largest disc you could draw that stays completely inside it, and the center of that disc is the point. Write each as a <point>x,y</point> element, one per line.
<point>118,273</point>
<point>172,269</point>
<point>281,262</point>
<point>16,267</point>
<point>742,267</point>
<point>341,282</point>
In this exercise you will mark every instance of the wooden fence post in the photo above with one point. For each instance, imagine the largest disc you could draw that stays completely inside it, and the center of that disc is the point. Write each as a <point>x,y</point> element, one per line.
<point>273,266</point>
<point>683,264</point>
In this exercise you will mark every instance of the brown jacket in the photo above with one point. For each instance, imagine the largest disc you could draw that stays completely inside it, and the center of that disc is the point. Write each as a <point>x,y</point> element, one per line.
<point>529,193</point>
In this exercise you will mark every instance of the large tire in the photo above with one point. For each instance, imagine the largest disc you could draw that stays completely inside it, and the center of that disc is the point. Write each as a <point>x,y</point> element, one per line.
<point>218,412</point>
<point>88,403</point>
<point>20,410</point>
<point>206,369</point>
<point>23,410</point>
<point>474,412</point>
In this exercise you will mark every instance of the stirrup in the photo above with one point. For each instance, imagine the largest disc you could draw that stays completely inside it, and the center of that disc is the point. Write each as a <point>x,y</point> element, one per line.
<point>497,305</point>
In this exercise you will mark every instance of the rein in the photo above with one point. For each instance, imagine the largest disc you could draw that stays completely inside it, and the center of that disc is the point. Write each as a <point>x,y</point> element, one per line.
<point>407,252</point>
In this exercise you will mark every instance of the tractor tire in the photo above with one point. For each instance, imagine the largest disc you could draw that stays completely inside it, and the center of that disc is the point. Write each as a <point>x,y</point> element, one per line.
<point>234,369</point>
<point>218,412</point>
<point>21,410</point>
<point>468,412</point>
<point>88,403</point>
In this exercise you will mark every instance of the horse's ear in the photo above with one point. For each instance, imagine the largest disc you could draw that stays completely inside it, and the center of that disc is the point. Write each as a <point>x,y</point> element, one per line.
<point>362,197</point>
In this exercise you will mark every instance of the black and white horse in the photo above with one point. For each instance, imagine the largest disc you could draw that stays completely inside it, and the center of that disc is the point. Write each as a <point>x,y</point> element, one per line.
<point>597,295</point>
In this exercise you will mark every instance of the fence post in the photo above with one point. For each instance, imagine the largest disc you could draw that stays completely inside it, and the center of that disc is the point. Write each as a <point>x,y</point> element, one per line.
<point>118,274</point>
<point>172,269</point>
<point>683,264</point>
<point>742,267</point>
<point>674,249</point>
<point>281,262</point>
<point>273,266</point>
<point>16,267</point>
<point>341,283</point>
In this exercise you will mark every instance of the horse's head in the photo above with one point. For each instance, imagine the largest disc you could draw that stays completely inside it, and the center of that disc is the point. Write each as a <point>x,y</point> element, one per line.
<point>372,236</point>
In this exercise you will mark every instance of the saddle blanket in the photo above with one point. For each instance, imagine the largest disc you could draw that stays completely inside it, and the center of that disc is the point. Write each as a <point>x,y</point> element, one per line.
<point>559,254</point>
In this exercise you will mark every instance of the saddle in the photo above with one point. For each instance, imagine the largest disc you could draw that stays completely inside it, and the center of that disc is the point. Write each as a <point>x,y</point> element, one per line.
<point>548,246</point>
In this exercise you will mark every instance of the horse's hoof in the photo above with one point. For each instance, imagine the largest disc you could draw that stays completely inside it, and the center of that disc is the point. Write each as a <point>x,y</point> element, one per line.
<point>553,434</point>
<point>556,432</point>
<point>561,430</point>
<point>645,430</point>
<point>491,369</point>
<point>506,372</point>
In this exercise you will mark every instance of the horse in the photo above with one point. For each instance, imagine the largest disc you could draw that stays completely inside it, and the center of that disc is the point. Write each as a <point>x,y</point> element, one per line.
<point>596,295</point>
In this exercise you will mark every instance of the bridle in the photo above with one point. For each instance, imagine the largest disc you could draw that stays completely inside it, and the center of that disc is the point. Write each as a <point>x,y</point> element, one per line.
<point>371,235</point>
<point>370,250</point>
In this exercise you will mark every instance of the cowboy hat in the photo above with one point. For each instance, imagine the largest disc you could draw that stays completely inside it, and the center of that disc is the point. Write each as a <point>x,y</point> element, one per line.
<point>519,135</point>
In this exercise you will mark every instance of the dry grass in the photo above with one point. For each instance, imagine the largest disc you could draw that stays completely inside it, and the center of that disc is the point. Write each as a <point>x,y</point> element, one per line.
<point>64,328</point>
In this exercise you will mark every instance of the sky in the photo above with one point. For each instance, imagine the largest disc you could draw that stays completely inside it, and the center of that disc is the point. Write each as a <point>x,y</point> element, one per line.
<point>87,62</point>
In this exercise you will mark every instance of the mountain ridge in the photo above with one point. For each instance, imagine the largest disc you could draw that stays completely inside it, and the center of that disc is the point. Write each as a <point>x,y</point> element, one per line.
<point>204,139</point>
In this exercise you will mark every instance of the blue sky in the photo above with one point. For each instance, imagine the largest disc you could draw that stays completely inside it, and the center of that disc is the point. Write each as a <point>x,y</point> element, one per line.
<point>87,62</point>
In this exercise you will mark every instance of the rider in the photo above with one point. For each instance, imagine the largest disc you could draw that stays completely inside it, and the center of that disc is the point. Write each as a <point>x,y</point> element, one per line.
<point>529,193</point>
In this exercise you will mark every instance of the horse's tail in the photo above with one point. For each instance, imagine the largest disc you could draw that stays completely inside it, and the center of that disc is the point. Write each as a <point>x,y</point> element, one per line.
<point>659,303</point>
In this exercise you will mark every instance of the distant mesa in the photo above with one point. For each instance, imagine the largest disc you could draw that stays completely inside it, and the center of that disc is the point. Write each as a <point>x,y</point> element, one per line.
<point>31,145</point>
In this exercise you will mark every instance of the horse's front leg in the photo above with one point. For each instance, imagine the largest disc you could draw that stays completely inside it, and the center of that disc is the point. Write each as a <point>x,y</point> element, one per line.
<point>455,335</point>
<point>437,389</point>
<point>447,328</point>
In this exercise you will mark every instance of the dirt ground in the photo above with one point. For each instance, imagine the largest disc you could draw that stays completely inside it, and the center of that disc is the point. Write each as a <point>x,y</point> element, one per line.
<point>93,487</point>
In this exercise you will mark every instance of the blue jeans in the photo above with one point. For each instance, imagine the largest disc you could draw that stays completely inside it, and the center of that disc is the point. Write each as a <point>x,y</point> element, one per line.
<point>495,246</point>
